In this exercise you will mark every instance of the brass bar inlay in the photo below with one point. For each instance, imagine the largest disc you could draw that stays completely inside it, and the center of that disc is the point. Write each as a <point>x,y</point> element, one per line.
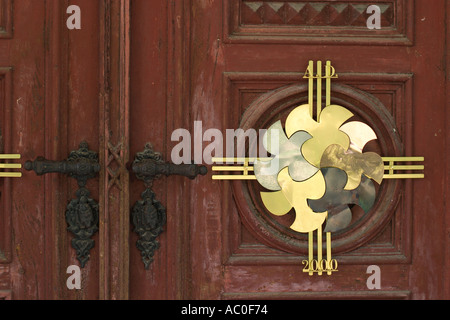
<point>310,250</point>
<point>233,177</point>
<point>319,89</point>
<point>9,156</point>
<point>311,88</point>
<point>401,167</point>
<point>329,272</point>
<point>10,175</point>
<point>10,166</point>
<point>328,84</point>
<point>404,159</point>
<point>231,168</point>
<point>319,250</point>
<point>238,160</point>
<point>404,176</point>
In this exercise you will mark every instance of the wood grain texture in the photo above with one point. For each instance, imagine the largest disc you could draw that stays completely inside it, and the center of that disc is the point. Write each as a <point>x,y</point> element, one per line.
<point>151,93</point>
<point>114,144</point>
<point>5,295</point>
<point>140,69</point>
<point>5,186</point>
<point>447,156</point>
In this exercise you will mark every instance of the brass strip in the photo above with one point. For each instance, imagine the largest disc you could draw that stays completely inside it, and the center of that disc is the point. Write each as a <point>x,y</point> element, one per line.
<point>239,160</point>
<point>329,272</point>
<point>10,175</point>
<point>234,177</point>
<point>231,168</point>
<point>319,250</point>
<point>404,159</point>
<point>319,89</point>
<point>398,167</point>
<point>310,250</point>
<point>10,156</point>
<point>404,176</point>
<point>10,166</point>
<point>328,84</point>
<point>311,88</point>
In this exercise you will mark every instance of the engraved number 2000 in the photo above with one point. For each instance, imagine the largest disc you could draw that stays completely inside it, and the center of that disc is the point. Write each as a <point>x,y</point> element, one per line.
<point>324,265</point>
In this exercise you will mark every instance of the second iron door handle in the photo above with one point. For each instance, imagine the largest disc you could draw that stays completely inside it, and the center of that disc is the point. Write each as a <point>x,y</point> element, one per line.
<point>148,214</point>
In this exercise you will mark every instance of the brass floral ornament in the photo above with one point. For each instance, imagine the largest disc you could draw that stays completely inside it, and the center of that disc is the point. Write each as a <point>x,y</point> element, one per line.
<point>327,147</point>
<point>320,169</point>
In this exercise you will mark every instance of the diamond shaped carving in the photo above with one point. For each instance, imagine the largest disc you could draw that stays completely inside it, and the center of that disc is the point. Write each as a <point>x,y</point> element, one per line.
<point>311,13</point>
<point>318,21</point>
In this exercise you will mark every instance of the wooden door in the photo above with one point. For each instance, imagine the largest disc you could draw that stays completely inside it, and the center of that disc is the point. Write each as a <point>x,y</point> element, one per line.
<point>49,93</point>
<point>60,87</point>
<point>138,70</point>
<point>220,62</point>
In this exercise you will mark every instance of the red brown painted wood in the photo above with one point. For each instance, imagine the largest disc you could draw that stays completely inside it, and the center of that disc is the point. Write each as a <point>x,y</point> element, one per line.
<point>137,70</point>
<point>261,59</point>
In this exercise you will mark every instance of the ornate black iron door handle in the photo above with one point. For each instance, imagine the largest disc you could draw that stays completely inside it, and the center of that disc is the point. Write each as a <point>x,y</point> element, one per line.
<point>82,212</point>
<point>149,215</point>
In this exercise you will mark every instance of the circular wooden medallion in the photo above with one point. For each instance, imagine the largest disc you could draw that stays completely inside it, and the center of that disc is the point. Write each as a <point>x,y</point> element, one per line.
<point>274,231</point>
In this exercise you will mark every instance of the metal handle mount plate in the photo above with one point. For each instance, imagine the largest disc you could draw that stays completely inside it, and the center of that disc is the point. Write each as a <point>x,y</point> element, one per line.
<point>81,212</point>
<point>149,215</point>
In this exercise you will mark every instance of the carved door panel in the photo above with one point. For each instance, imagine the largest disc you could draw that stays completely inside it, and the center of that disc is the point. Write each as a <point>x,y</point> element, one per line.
<point>49,105</point>
<point>240,64</point>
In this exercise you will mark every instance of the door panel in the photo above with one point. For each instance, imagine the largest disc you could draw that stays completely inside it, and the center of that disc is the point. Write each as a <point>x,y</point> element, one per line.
<point>249,51</point>
<point>149,111</point>
<point>49,105</point>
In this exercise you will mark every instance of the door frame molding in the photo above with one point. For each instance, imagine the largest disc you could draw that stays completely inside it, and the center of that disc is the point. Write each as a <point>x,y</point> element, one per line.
<point>114,107</point>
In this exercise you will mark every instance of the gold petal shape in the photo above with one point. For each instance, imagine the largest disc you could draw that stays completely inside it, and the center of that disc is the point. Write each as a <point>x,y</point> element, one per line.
<point>300,119</point>
<point>334,116</point>
<point>325,132</point>
<point>276,203</point>
<point>354,164</point>
<point>297,194</point>
<point>359,133</point>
